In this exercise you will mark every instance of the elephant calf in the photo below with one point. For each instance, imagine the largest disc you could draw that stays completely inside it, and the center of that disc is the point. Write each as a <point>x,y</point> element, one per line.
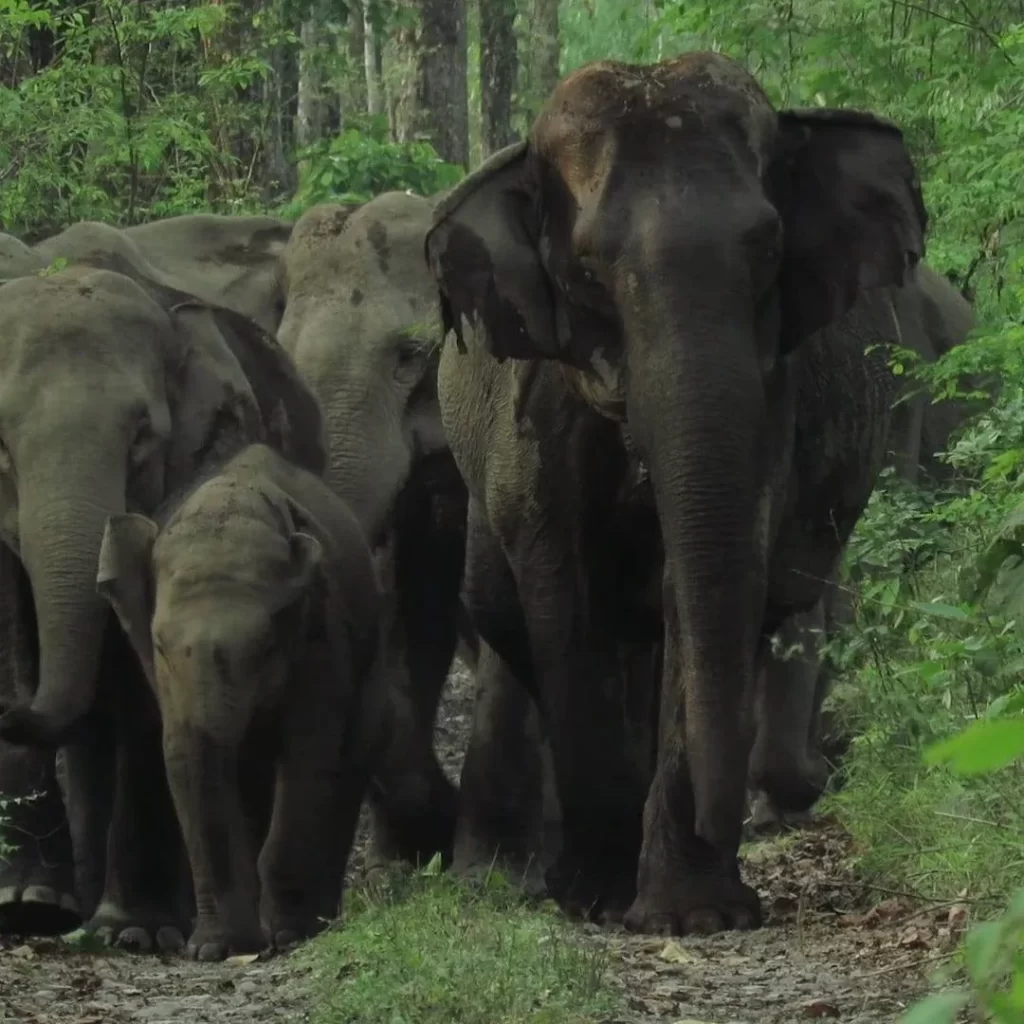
<point>254,608</point>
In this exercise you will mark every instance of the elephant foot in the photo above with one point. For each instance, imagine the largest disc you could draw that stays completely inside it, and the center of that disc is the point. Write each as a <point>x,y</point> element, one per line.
<point>415,832</point>
<point>700,905</point>
<point>285,930</point>
<point>593,888</point>
<point>790,788</point>
<point>475,867</point>
<point>143,931</point>
<point>36,899</point>
<point>766,819</point>
<point>210,942</point>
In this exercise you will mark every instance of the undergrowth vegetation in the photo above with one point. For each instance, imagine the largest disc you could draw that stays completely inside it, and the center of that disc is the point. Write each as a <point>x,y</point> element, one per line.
<point>427,949</point>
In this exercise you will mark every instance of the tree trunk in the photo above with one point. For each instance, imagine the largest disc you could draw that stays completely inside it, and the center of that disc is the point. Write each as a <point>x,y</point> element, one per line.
<point>374,96</point>
<point>442,94</point>
<point>544,70</point>
<point>353,99</point>
<point>498,70</point>
<point>309,106</point>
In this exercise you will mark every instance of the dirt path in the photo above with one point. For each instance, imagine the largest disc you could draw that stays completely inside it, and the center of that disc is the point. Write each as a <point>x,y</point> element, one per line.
<point>822,956</point>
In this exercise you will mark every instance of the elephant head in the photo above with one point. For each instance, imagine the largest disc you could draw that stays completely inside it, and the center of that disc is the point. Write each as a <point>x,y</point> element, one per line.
<point>226,260</point>
<point>113,394</point>
<point>361,323</point>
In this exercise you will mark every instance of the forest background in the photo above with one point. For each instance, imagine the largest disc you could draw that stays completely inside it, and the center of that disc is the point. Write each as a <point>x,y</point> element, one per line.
<point>131,110</point>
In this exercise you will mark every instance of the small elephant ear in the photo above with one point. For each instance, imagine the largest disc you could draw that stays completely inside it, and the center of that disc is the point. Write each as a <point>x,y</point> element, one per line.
<point>125,578</point>
<point>306,554</point>
<point>853,216</point>
<point>482,252</point>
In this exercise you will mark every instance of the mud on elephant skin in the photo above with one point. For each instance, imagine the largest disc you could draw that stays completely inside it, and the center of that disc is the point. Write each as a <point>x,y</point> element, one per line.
<point>113,394</point>
<point>669,253</point>
<point>254,608</point>
<point>361,323</point>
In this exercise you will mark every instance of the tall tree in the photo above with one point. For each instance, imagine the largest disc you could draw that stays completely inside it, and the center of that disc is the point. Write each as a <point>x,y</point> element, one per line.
<point>443,97</point>
<point>545,51</point>
<point>371,58</point>
<point>499,66</point>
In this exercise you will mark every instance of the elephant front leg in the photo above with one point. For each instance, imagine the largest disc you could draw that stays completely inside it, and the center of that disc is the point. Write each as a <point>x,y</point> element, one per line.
<point>146,894</point>
<point>322,777</point>
<point>37,891</point>
<point>688,879</point>
<point>787,772</point>
<point>502,789</point>
<point>202,770</point>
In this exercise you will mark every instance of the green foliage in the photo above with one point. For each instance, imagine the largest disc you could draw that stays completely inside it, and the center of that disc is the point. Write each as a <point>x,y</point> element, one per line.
<point>361,163</point>
<point>430,950</point>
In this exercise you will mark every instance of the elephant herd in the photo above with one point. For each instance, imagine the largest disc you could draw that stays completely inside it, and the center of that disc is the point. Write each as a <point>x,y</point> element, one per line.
<point>605,414</point>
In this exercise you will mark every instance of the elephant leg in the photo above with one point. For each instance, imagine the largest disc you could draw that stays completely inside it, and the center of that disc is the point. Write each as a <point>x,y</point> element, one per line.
<point>415,804</point>
<point>86,772</point>
<point>145,897</point>
<point>787,772</point>
<point>203,773</point>
<point>580,683</point>
<point>322,776</point>
<point>501,793</point>
<point>37,892</point>
<point>685,884</point>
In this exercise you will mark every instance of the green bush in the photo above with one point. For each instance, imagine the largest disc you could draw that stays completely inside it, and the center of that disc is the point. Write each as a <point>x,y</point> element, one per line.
<point>360,163</point>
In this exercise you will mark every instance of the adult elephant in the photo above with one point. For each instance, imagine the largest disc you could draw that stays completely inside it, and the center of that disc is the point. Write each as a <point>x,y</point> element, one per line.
<point>662,407</point>
<point>114,392</point>
<point>228,261</point>
<point>933,317</point>
<point>361,323</point>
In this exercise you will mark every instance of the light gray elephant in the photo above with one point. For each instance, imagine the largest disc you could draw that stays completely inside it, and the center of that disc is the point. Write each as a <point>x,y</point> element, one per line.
<point>361,323</point>
<point>228,261</point>
<point>255,610</point>
<point>115,391</point>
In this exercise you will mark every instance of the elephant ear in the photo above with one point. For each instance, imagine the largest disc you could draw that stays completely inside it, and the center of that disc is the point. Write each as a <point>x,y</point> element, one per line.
<point>290,411</point>
<point>482,249</point>
<point>214,410</point>
<point>852,212</point>
<point>124,577</point>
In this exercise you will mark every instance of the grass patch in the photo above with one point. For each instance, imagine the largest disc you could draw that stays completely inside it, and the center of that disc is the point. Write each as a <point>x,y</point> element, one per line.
<point>928,831</point>
<point>432,950</point>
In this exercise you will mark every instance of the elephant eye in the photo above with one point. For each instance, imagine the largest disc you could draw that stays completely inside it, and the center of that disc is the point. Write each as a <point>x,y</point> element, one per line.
<point>5,457</point>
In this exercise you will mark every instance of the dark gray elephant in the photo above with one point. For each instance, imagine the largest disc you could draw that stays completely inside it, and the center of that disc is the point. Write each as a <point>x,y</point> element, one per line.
<point>361,324</point>
<point>253,604</point>
<point>115,392</point>
<point>660,401</point>
<point>932,317</point>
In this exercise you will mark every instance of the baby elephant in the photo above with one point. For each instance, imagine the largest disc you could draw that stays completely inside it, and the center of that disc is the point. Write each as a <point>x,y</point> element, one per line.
<point>254,607</point>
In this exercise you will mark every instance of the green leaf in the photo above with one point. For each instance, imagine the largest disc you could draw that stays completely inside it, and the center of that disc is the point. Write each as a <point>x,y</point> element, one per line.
<point>984,746</point>
<point>941,1008</point>
<point>942,611</point>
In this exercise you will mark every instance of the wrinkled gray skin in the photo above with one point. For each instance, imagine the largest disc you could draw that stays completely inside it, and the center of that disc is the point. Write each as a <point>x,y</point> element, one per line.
<point>17,259</point>
<point>255,611</point>
<point>114,392</point>
<point>684,431</point>
<point>228,261</point>
<point>933,318</point>
<point>361,324</point>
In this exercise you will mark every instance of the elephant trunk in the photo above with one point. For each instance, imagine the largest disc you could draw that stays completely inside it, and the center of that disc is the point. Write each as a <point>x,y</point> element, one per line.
<point>697,408</point>
<point>61,526</point>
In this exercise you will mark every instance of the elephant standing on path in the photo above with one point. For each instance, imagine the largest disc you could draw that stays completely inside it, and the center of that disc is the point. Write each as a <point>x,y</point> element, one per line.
<point>361,323</point>
<point>115,391</point>
<point>660,402</point>
<point>254,608</point>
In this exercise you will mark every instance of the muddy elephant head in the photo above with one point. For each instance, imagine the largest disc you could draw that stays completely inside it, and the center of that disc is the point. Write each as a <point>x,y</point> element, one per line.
<point>113,394</point>
<point>671,238</point>
<point>361,323</point>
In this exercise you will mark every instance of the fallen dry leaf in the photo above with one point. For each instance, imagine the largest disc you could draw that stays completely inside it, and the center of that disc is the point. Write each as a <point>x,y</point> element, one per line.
<point>673,953</point>
<point>242,960</point>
